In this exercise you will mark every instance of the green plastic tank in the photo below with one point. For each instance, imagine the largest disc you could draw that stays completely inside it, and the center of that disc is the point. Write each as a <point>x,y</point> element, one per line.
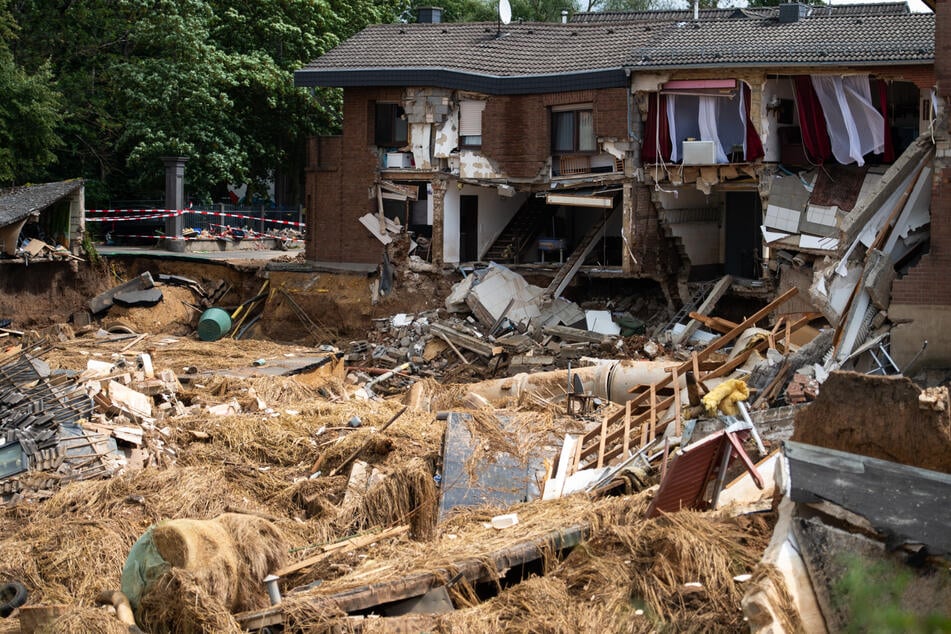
<point>213,324</point>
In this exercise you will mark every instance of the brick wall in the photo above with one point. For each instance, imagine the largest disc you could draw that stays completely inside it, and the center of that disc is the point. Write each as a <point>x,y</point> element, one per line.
<point>927,283</point>
<point>516,134</point>
<point>516,130</point>
<point>337,198</point>
<point>655,254</point>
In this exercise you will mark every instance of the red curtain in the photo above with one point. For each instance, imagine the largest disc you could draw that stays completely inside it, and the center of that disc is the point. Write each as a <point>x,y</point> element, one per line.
<point>754,145</point>
<point>889,154</point>
<point>812,123</point>
<point>657,131</point>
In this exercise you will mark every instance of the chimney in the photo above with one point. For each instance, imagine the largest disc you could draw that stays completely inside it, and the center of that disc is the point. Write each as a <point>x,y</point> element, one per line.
<point>429,15</point>
<point>174,193</point>
<point>564,16</point>
<point>790,12</point>
<point>696,9</point>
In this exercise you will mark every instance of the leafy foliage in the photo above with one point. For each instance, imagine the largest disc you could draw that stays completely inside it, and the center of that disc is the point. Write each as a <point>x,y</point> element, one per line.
<point>207,79</point>
<point>30,112</point>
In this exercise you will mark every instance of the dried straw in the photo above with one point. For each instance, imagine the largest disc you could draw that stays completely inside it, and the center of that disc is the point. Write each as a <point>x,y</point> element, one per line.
<point>408,495</point>
<point>178,602</point>
<point>85,621</point>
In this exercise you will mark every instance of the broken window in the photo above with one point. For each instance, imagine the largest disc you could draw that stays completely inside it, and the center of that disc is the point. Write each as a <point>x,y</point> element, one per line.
<point>702,122</point>
<point>470,123</point>
<point>572,130</point>
<point>390,126</point>
<point>841,117</point>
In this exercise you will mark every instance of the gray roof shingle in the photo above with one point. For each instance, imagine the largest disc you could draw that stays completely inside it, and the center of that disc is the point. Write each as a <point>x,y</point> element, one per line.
<point>17,203</point>
<point>865,40</point>
<point>546,57</point>
<point>866,8</point>
<point>522,49</point>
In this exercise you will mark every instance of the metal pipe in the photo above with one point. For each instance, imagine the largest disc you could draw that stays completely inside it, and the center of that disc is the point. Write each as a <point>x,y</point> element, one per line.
<point>273,591</point>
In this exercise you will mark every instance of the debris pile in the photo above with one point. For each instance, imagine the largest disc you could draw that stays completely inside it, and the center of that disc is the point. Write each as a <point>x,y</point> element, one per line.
<point>441,473</point>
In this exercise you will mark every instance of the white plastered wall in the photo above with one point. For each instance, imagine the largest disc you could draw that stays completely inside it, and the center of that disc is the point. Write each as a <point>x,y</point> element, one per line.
<point>494,214</point>
<point>689,217</point>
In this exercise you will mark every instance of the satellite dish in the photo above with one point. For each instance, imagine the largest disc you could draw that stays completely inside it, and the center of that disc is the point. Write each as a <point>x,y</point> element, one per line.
<point>505,11</point>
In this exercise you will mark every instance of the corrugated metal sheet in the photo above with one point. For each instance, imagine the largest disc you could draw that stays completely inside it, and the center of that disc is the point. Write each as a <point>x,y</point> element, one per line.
<point>687,476</point>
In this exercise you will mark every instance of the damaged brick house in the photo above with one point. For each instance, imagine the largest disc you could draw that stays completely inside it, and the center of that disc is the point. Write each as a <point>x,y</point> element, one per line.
<point>651,144</point>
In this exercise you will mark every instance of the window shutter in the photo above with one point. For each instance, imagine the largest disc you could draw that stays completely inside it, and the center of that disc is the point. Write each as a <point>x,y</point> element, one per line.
<point>470,118</point>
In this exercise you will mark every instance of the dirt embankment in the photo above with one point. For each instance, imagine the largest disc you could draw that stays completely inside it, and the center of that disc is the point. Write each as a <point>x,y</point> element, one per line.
<point>881,417</point>
<point>46,293</point>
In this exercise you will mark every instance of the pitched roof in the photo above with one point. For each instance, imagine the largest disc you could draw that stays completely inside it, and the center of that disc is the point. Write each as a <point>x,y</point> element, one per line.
<point>17,203</point>
<point>526,57</point>
<point>549,57</point>
<point>832,40</point>
<point>867,8</point>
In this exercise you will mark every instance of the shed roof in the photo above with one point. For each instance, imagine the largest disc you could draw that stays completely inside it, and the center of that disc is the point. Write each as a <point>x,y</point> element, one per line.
<point>17,203</point>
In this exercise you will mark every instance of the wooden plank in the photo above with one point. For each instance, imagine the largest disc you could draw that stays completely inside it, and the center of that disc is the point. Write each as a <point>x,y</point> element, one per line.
<point>344,546</point>
<point>604,435</point>
<point>719,289</point>
<point>627,428</point>
<point>485,567</point>
<point>652,431</point>
<point>465,341</point>
<point>556,485</point>
<point>677,403</point>
<point>573,334</point>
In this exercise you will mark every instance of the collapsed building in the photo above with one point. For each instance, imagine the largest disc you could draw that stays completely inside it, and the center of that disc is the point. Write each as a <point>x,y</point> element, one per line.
<point>765,144</point>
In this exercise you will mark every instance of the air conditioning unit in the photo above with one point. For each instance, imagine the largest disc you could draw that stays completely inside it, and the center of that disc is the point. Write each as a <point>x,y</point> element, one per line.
<point>398,160</point>
<point>699,153</point>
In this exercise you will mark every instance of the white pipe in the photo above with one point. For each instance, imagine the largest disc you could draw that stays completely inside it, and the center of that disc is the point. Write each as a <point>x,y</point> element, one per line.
<point>610,380</point>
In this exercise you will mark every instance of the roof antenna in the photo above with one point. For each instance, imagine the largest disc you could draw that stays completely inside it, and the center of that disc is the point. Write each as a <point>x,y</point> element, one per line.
<point>696,10</point>
<point>505,15</point>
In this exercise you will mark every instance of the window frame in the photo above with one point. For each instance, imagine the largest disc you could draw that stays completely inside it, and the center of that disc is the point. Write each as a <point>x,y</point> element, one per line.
<point>396,115</point>
<point>575,110</point>
<point>467,141</point>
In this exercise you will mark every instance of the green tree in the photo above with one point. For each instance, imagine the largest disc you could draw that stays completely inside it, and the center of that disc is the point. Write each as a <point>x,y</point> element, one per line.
<point>209,79</point>
<point>30,112</point>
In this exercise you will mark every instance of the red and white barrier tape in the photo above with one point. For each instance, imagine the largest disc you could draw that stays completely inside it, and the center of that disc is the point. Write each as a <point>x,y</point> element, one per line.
<point>258,237</point>
<point>165,213</point>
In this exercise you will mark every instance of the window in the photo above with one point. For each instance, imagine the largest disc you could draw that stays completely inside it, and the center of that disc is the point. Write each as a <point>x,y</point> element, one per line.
<point>390,126</point>
<point>572,131</point>
<point>470,123</point>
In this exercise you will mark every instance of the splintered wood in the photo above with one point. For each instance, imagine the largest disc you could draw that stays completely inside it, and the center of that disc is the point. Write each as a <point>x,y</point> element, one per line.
<point>653,407</point>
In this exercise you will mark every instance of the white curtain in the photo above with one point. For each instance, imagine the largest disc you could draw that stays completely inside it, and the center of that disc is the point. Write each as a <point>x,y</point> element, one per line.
<point>672,126</point>
<point>708,126</point>
<point>854,125</point>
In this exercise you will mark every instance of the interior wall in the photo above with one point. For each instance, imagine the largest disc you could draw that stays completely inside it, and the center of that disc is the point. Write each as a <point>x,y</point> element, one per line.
<point>495,212</point>
<point>776,88</point>
<point>697,219</point>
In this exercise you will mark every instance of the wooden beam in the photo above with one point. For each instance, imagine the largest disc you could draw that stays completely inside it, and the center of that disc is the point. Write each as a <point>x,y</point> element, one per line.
<point>719,289</point>
<point>485,567</point>
<point>344,546</point>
